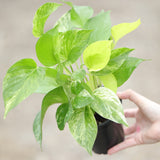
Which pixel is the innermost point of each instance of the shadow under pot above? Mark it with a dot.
(109, 134)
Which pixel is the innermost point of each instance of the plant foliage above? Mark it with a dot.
(77, 39)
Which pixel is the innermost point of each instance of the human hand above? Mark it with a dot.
(146, 129)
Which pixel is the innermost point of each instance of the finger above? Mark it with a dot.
(130, 112)
(132, 96)
(130, 130)
(134, 134)
(126, 144)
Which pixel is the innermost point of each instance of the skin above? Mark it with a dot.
(146, 129)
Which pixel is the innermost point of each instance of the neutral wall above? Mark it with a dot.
(16, 42)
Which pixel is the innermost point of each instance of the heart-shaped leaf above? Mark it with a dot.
(45, 46)
(76, 17)
(83, 127)
(82, 99)
(108, 105)
(47, 83)
(118, 56)
(62, 115)
(41, 16)
(97, 55)
(100, 25)
(57, 95)
(22, 79)
(53, 48)
(80, 15)
(109, 81)
(125, 71)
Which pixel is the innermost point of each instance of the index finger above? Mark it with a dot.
(133, 96)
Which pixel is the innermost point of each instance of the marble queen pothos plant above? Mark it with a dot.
(79, 57)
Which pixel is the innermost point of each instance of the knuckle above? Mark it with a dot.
(129, 92)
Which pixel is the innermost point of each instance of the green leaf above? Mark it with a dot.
(83, 127)
(64, 23)
(54, 47)
(57, 95)
(78, 75)
(47, 83)
(100, 25)
(118, 56)
(117, 61)
(21, 80)
(61, 78)
(97, 55)
(68, 46)
(85, 86)
(41, 16)
(120, 30)
(108, 105)
(45, 48)
(80, 15)
(78, 40)
(77, 16)
(91, 81)
(125, 71)
(120, 51)
(37, 128)
(109, 81)
(76, 87)
(68, 3)
(82, 99)
(61, 115)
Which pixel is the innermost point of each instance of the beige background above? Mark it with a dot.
(16, 42)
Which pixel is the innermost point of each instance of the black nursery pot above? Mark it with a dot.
(109, 134)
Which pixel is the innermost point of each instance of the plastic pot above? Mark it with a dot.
(109, 134)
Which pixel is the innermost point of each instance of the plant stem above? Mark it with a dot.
(98, 82)
(67, 70)
(77, 65)
(94, 81)
(81, 60)
(86, 78)
(71, 68)
(91, 81)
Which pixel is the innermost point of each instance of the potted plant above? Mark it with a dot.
(81, 71)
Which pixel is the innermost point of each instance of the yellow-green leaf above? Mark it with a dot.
(120, 30)
(97, 55)
(109, 81)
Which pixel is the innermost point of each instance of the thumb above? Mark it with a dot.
(125, 144)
